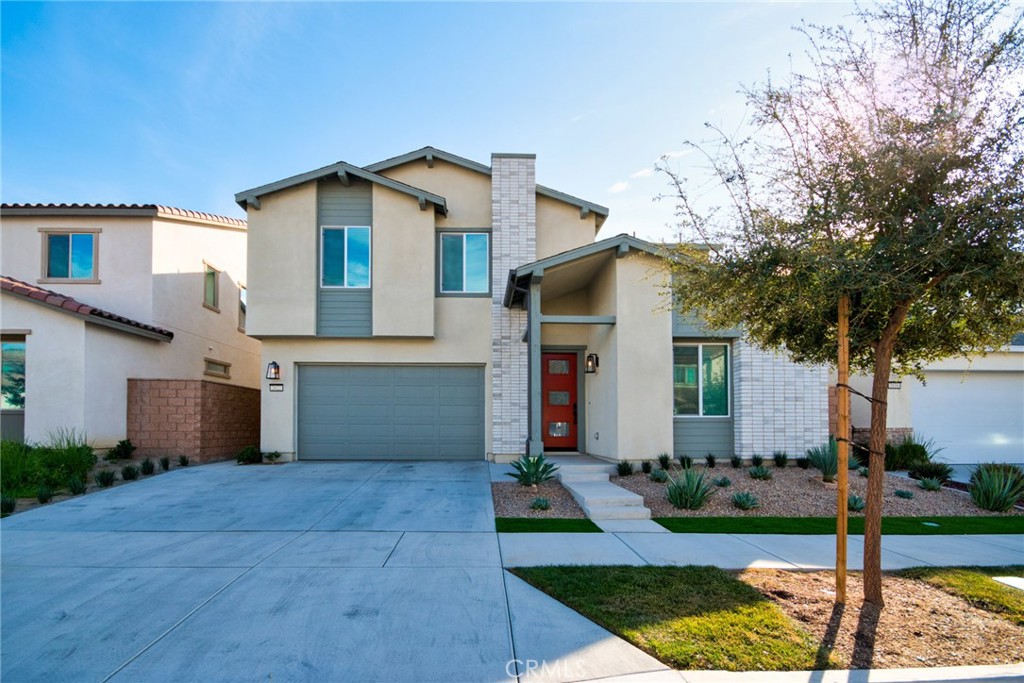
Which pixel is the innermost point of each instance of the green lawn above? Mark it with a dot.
(827, 525)
(535, 525)
(974, 585)
(688, 617)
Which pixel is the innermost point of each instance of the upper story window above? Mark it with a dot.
(700, 380)
(345, 256)
(211, 287)
(465, 266)
(70, 255)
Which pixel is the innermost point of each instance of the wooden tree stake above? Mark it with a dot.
(843, 427)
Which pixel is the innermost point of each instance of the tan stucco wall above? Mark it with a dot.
(468, 193)
(125, 255)
(644, 366)
(179, 252)
(283, 263)
(560, 228)
(460, 340)
(602, 388)
(403, 265)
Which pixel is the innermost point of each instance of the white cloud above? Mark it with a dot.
(618, 187)
(576, 119)
(643, 173)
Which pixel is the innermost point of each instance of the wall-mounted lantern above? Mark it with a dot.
(273, 370)
(591, 364)
(895, 384)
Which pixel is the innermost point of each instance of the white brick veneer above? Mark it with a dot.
(779, 405)
(513, 243)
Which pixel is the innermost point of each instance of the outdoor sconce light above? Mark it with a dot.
(273, 370)
(592, 363)
(895, 384)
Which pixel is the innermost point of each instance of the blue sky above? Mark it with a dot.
(185, 104)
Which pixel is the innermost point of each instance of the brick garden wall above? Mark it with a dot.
(203, 420)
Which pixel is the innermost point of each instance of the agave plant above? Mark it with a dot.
(532, 470)
(996, 489)
(690, 491)
(745, 501)
(826, 459)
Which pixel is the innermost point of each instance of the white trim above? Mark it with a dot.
(344, 265)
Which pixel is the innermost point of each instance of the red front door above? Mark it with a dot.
(558, 389)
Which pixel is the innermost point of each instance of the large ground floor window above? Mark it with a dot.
(700, 380)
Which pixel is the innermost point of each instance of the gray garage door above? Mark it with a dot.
(350, 412)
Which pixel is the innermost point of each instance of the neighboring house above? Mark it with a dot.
(429, 306)
(127, 321)
(971, 408)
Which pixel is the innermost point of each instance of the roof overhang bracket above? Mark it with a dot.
(622, 250)
(537, 276)
(423, 203)
(584, 212)
(253, 201)
(344, 178)
(430, 159)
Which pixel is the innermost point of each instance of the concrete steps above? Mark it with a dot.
(599, 498)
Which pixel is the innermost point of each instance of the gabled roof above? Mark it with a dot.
(519, 279)
(430, 153)
(122, 210)
(342, 170)
(91, 314)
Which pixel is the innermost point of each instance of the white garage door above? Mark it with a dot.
(974, 416)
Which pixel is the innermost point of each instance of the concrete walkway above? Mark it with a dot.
(333, 572)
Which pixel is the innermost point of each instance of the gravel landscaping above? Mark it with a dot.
(513, 500)
(920, 626)
(795, 492)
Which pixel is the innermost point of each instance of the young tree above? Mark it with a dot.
(891, 172)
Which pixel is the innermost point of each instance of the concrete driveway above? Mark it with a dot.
(297, 572)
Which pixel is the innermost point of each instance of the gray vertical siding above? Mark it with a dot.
(344, 312)
(689, 325)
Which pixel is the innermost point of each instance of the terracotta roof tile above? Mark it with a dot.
(66, 303)
(132, 209)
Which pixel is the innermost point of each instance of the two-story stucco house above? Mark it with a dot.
(127, 321)
(429, 306)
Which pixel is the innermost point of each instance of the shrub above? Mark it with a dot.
(18, 467)
(66, 454)
(855, 503)
(781, 458)
(721, 482)
(757, 460)
(250, 455)
(1013, 471)
(183, 461)
(660, 476)
(147, 467)
(165, 463)
(803, 462)
(826, 459)
(532, 470)
(105, 478)
(710, 459)
(760, 472)
(690, 491)
(736, 462)
(862, 471)
(44, 494)
(685, 461)
(664, 461)
(129, 473)
(912, 451)
(624, 468)
(931, 470)
(76, 487)
(272, 456)
(540, 504)
(7, 504)
(996, 489)
(903, 493)
(930, 484)
(646, 466)
(745, 501)
(121, 451)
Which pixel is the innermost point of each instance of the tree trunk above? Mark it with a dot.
(876, 458)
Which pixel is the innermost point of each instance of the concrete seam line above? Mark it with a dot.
(174, 626)
(632, 549)
(765, 550)
(351, 493)
(388, 558)
(508, 611)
